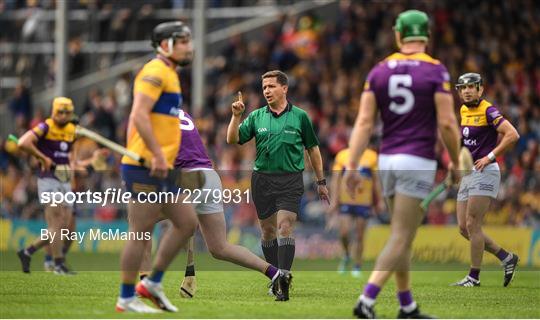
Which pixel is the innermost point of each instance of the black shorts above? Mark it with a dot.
(276, 191)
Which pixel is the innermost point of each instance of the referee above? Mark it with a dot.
(281, 131)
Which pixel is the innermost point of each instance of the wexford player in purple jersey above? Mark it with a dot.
(411, 91)
(481, 123)
(192, 157)
(51, 143)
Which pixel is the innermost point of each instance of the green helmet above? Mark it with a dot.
(413, 25)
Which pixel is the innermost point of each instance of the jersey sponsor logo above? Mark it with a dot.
(289, 131)
(262, 130)
(469, 142)
(60, 154)
(392, 64)
(63, 146)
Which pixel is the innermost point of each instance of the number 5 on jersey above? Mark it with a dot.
(398, 87)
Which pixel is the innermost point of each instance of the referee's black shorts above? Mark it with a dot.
(276, 191)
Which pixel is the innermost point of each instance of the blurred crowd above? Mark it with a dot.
(27, 22)
(327, 61)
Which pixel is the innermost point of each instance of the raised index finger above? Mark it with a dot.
(240, 97)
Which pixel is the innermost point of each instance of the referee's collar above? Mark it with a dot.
(275, 114)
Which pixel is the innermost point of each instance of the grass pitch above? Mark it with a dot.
(242, 294)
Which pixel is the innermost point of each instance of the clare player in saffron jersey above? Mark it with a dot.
(354, 210)
(154, 133)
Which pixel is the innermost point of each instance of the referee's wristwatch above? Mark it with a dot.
(321, 182)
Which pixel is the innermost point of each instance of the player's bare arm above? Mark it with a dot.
(359, 140)
(509, 137)
(334, 190)
(448, 126)
(316, 162)
(83, 164)
(140, 115)
(28, 143)
(238, 108)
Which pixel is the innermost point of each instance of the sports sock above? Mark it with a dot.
(127, 290)
(270, 250)
(271, 271)
(406, 301)
(66, 247)
(30, 250)
(502, 254)
(474, 273)
(286, 251)
(48, 258)
(371, 292)
(58, 261)
(190, 271)
(156, 276)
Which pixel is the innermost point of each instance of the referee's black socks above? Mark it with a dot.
(285, 254)
(270, 251)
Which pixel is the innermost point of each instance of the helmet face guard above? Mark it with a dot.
(468, 79)
(62, 105)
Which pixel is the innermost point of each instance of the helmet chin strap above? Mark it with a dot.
(169, 52)
(473, 104)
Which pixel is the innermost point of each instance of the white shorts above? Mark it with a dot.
(212, 182)
(406, 174)
(50, 185)
(485, 183)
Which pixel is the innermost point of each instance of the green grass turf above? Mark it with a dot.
(242, 294)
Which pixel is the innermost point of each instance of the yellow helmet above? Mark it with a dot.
(62, 104)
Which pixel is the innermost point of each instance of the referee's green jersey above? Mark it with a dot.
(279, 139)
